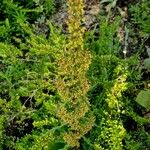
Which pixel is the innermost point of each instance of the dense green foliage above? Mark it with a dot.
(111, 95)
(141, 17)
(79, 89)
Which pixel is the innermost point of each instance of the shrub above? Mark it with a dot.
(28, 95)
(140, 16)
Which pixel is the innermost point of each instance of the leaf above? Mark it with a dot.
(106, 1)
(147, 63)
(143, 98)
(55, 146)
(113, 5)
(148, 51)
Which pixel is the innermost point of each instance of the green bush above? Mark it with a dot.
(28, 95)
(39, 79)
(140, 16)
(113, 79)
(15, 13)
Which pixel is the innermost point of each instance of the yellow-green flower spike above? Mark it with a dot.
(72, 83)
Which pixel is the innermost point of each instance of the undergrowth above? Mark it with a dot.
(76, 90)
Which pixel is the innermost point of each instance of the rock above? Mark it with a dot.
(92, 9)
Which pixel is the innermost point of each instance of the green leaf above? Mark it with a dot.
(143, 98)
(106, 1)
(55, 146)
(148, 51)
(147, 63)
